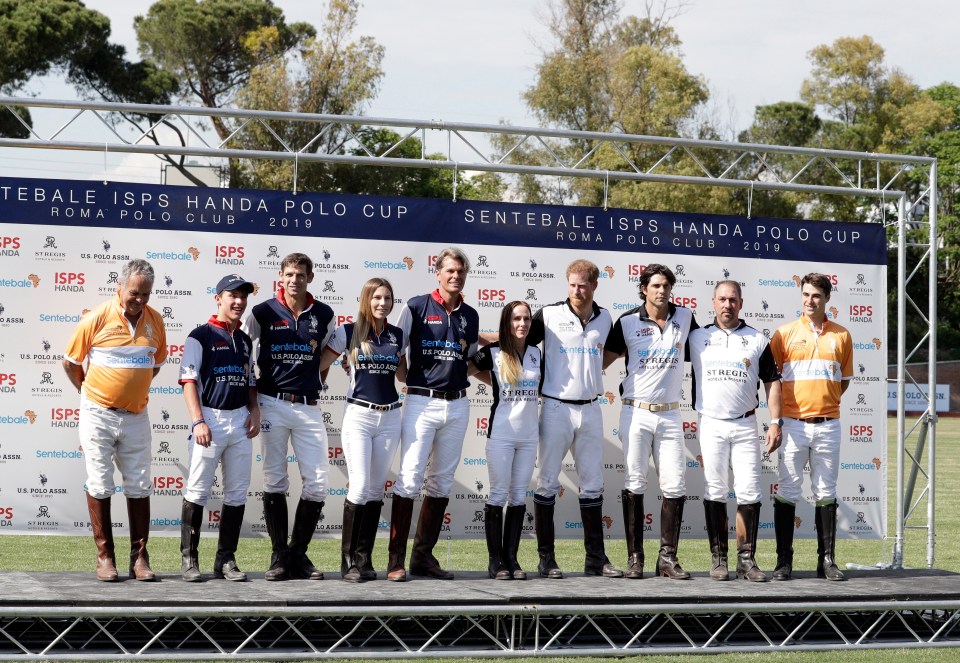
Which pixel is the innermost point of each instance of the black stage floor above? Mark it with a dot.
(59, 590)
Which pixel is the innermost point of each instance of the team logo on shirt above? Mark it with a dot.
(391, 338)
(313, 323)
(433, 320)
(746, 362)
(279, 324)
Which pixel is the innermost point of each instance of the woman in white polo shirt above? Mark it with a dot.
(373, 349)
(512, 434)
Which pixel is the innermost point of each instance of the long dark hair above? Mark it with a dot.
(511, 348)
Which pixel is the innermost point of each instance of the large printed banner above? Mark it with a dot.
(62, 244)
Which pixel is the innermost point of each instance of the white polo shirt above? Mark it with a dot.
(728, 367)
(654, 357)
(572, 351)
(515, 413)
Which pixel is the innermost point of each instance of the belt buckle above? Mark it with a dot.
(658, 407)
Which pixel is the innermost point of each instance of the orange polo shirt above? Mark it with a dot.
(122, 358)
(814, 366)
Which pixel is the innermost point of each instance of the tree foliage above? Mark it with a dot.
(609, 73)
(40, 36)
(212, 46)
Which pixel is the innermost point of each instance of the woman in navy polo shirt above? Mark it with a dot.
(512, 433)
(373, 350)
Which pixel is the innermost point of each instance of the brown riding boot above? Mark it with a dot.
(748, 522)
(422, 561)
(102, 527)
(401, 512)
(716, 519)
(138, 509)
(671, 518)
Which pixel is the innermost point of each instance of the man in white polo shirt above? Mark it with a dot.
(729, 360)
(652, 339)
(573, 333)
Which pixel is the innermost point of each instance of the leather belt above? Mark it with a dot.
(745, 414)
(572, 402)
(813, 420)
(290, 398)
(374, 406)
(433, 393)
(652, 407)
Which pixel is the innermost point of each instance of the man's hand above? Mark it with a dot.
(252, 424)
(202, 434)
(774, 438)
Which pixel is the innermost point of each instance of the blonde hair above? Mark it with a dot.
(511, 348)
(359, 342)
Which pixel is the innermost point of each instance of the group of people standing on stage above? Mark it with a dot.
(546, 372)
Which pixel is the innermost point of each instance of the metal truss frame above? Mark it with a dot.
(250, 632)
(335, 139)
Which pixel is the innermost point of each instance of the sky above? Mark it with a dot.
(462, 61)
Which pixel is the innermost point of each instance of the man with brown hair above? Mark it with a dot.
(815, 356)
(292, 329)
(573, 333)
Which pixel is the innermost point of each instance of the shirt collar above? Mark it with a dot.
(439, 299)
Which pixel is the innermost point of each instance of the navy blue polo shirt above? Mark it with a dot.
(290, 348)
(219, 363)
(440, 342)
(373, 377)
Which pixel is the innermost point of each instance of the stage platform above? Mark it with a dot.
(72, 616)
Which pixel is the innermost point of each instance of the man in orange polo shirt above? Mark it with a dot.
(124, 344)
(815, 356)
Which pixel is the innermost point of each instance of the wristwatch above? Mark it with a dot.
(778, 422)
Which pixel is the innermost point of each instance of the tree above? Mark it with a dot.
(330, 74)
(206, 44)
(37, 36)
(610, 74)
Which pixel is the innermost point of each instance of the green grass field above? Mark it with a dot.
(55, 553)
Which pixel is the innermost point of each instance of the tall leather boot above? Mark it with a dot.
(102, 526)
(368, 537)
(225, 563)
(512, 531)
(275, 515)
(748, 522)
(784, 522)
(595, 562)
(826, 521)
(716, 518)
(138, 510)
(633, 517)
(191, 520)
(422, 561)
(352, 523)
(304, 525)
(401, 512)
(671, 517)
(493, 528)
(543, 524)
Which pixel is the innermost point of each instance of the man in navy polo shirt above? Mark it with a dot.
(292, 329)
(573, 333)
(218, 384)
(443, 333)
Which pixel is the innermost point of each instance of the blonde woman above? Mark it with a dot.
(373, 351)
(512, 434)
